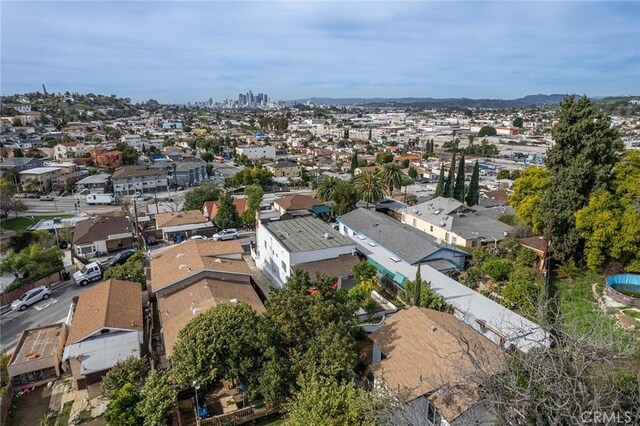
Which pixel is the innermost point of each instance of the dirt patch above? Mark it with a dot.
(30, 408)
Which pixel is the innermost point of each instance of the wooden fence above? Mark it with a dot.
(7, 298)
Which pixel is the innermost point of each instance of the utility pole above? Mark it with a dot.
(135, 212)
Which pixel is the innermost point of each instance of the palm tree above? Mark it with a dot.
(370, 187)
(391, 175)
(326, 188)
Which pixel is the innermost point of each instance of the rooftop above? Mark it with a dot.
(177, 309)
(37, 343)
(111, 304)
(101, 354)
(136, 171)
(40, 170)
(429, 351)
(164, 220)
(88, 231)
(98, 178)
(186, 259)
(297, 202)
(283, 165)
(306, 234)
(340, 266)
(405, 241)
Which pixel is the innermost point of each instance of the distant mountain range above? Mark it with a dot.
(440, 102)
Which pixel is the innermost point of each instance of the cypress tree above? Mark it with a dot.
(354, 161)
(448, 185)
(370, 134)
(458, 190)
(473, 194)
(440, 186)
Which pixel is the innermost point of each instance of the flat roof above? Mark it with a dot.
(97, 178)
(40, 170)
(306, 234)
(104, 351)
(58, 223)
(37, 343)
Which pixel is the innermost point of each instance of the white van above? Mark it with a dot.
(90, 272)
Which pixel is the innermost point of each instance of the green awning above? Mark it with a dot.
(321, 209)
(381, 268)
(399, 278)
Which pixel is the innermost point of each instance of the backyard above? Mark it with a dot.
(22, 223)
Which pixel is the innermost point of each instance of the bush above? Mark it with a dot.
(498, 269)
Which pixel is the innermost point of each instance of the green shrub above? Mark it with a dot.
(498, 269)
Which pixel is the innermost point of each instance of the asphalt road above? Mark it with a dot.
(50, 311)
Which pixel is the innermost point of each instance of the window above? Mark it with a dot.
(431, 228)
(474, 243)
(284, 266)
(454, 240)
(446, 237)
(414, 222)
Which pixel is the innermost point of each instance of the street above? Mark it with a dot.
(52, 310)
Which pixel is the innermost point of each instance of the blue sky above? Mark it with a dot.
(182, 51)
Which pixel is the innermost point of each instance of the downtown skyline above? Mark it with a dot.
(180, 51)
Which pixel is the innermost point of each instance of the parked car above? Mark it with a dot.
(91, 272)
(227, 234)
(121, 257)
(152, 241)
(137, 194)
(198, 237)
(46, 198)
(30, 297)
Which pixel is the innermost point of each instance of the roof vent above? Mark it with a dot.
(433, 329)
(182, 266)
(179, 255)
(217, 260)
(234, 301)
(326, 236)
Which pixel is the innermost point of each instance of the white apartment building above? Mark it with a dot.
(255, 152)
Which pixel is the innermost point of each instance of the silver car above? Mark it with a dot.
(227, 234)
(30, 297)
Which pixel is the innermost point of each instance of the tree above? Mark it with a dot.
(527, 194)
(370, 187)
(518, 122)
(207, 157)
(503, 174)
(222, 342)
(253, 194)
(497, 268)
(354, 161)
(131, 270)
(121, 409)
(17, 152)
(487, 131)
(326, 188)
(413, 173)
(363, 271)
(581, 162)
(417, 292)
(440, 186)
(158, 399)
(328, 402)
(10, 176)
(391, 175)
(473, 193)
(384, 157)
(195, 198)
(450, 182)
(308, 334)
(227, 216)
(129, 153)
(522, 291)
(610, 222)
(132, 370)
(458, 190)
(566, 381)
(345, 197)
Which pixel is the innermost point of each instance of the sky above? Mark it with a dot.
(179, 51)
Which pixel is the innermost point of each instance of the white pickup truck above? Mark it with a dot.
(91, 272)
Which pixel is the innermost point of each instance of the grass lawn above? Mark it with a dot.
(22, 223)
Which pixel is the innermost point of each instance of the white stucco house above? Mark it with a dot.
(285, 245)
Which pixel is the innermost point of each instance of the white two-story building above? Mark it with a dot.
(285, 245)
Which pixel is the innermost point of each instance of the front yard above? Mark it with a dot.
(22, 223)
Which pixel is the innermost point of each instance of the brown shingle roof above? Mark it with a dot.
(185, 259)
(188, 217)
(426, 353)
(100, 228)
(177, 309)
(111, 304)
(211, 207)
(297, 202)
(134, 171)
(537, 244)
